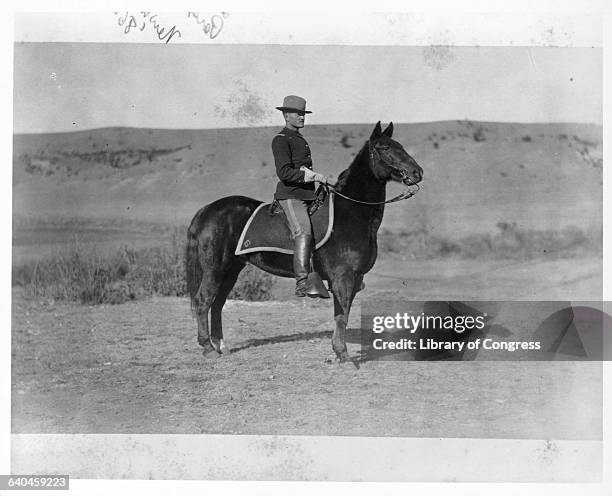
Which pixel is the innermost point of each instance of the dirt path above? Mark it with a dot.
(136, 368)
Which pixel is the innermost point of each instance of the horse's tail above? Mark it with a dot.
(193, 267)
(210, 239)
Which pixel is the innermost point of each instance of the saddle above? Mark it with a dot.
(268, 229)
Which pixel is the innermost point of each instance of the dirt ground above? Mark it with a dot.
(136, 367)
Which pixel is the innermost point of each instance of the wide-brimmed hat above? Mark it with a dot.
(294, 103)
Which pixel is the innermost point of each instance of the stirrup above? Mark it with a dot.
(317, 288)
(311, 286)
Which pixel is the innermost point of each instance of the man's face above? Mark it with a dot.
(295, 119)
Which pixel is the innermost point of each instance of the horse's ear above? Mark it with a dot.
(389, 131)
(377, 131)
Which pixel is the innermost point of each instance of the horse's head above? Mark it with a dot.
(388, 159)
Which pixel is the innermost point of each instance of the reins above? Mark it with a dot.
(403, 196)
(409, 193)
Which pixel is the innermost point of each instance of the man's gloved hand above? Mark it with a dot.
(320, 178)
(310, 176)
(331, 180)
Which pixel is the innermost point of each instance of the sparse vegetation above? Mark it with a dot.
(252, 285)
(584, 142)
(80, 274)
(510, 242)
(46, 163)
(589, 159)
(83, 275)
(344, 141)
(479, 135)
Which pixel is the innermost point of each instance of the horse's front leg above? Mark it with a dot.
(344, 288)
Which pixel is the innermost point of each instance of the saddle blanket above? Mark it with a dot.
(267, 231)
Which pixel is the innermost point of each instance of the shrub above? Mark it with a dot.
(83, 275)
(252, 285)
(479, 134)
(344, 141)
(510, 242)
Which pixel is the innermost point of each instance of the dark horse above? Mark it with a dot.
(212, 267)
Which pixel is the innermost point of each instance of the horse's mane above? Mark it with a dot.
(342, 178)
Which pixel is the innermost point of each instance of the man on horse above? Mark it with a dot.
(295, 189)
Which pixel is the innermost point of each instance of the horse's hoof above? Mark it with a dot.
(219, 346)
(337, 358)
(342, 357)
(209, 351)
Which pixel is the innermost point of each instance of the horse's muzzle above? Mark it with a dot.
(413, 176)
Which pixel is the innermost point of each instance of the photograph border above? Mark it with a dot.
(184, 446)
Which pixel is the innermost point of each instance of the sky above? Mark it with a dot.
(72, 86)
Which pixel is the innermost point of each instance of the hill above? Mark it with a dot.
(477, 175)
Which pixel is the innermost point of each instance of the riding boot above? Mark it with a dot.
(301, 264)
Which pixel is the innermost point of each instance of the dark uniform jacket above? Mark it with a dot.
(290, 153)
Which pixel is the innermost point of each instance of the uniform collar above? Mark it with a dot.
(286, 130)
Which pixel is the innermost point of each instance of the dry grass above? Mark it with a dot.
(510, 242)
(81, 274)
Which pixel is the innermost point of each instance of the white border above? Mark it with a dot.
(173, 487)
(332, 27)
(333, 458)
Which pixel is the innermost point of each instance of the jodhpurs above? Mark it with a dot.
(297, 216)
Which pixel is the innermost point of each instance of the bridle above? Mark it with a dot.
(413, 188)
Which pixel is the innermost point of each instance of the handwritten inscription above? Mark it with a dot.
(211, 26)
(143, 20)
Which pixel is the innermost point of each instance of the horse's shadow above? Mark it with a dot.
(366, 354)
(352, 336)
(287, 338)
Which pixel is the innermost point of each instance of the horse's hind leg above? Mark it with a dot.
(203, 300)
(216, 325)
